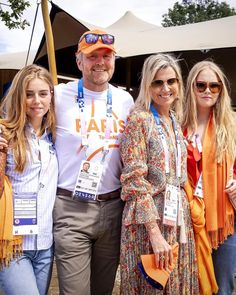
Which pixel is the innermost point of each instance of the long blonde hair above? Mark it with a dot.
(223, 115)
(13, 112)
(151, 66)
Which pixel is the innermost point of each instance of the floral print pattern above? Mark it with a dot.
(143, 186)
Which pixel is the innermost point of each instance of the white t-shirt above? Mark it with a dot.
(68, 141)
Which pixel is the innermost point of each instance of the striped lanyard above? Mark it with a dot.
(165, 145)
(84, 135)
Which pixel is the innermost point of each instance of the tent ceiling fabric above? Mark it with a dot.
(144, 38)
(131, 23)
(16, 60)
(137, 37)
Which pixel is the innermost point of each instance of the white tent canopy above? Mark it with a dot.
(136, 37)
(16, 60)
(130, 22)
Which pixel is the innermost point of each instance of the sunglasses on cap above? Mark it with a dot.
(215, 87)
(160, 83)
(92, 38)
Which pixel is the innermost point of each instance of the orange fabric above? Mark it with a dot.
(10, 246)
(159, 275)
(212, 216)
(207, 280)
(86, 48)
(219, 211)
(3, 159)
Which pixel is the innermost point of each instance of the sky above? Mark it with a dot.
(98, 12)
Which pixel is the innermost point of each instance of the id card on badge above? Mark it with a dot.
(88, 181)
(25, 214)
(198, 192)
(171, 205)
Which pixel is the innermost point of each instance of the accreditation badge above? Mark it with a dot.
(198, 192)
(170, 205)
(25, 214)
(88, 181)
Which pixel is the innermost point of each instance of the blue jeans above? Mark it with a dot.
(30, 274)
(224, 259)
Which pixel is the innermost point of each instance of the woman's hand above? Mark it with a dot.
(161, 249)
(231, 191)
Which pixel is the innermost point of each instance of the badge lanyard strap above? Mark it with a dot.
(196, 141)
(41, 175)
(84, 136)
(180, 220)
(164, 143)
(178, 157)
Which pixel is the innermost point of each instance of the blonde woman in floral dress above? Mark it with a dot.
(154, 157)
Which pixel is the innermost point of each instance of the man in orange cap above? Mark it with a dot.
(91, 115)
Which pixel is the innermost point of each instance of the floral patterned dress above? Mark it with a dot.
(143, 186)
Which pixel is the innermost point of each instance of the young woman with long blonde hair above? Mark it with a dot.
(209, 127)
(29, 161)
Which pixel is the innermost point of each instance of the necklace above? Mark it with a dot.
(167, 122)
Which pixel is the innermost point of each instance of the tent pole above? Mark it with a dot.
(49, 41)
(128, 74)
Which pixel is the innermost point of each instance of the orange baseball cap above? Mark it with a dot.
(87, 48)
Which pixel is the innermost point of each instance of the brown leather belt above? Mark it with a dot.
(101, 198)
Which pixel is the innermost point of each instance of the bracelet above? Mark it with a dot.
(151, 225)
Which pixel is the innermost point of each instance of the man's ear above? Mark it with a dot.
(79, 63)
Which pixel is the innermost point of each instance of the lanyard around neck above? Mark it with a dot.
(81, 104)
(165, 145)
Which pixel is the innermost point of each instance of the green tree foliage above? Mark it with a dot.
(11, 13)
(189, 12)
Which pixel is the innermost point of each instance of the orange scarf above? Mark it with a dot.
(219, 211)
(207, 280)
(10, 246)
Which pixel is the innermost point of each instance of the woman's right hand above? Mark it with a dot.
(162, 250)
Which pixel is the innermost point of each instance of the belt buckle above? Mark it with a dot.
(98, 199)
